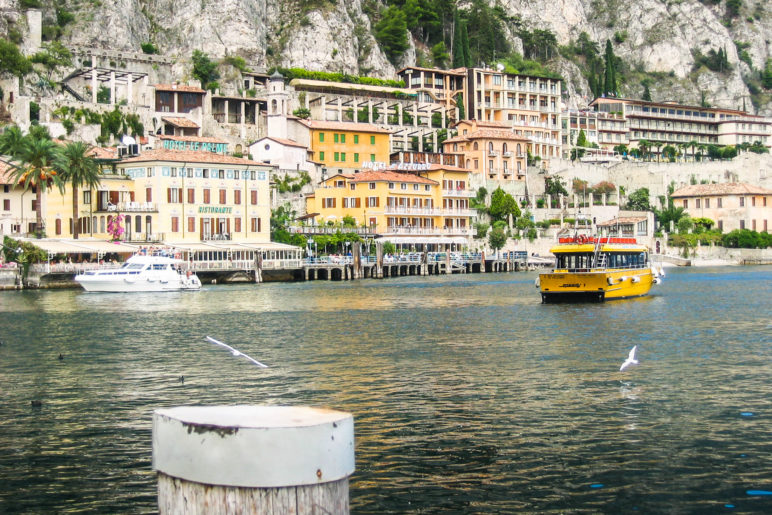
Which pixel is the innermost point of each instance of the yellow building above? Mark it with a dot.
(731, 205)
(429, 204)
(344, 146)
(171, 196)
(491, 149)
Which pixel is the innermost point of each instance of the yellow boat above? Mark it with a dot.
(597, 269)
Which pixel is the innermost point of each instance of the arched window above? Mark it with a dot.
(274, 106)
(504, 148)
(468, 163)
(455, 147)
(490, 146)
(475, 146)
(518, 149)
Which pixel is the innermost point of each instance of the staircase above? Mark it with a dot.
(68, 89)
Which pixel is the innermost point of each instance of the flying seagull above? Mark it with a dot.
(630, 359)
(235, 352)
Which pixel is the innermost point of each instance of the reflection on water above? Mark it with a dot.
(468, 394)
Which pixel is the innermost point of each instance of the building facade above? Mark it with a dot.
(342, 147)
(491, 149)
(731, 205)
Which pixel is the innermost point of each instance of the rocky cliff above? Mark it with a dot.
(655, 39)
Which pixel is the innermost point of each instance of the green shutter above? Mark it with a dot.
(356, 138)
(321, 137)
(356, 157)
(343, 156)
(335, 137)
(321, 156)
(342, 138)
(372, 140)
(372, 158)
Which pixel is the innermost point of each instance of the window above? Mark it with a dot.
(742, 224)
(336, 156)
(707, 203)
(753, 201)
(58, 226)
(173, 195)
(207, 196)
(719, 202)
(403, 186)
(255, 224)
(336, 138)
(415, 187)
(206, 173)
(6, 204)
(87, 197)
(372, 201)
(223, 194)
(328, 203)
(427, 187)
(686, 203)
(237, 225)
(343, 156)
(356, 139)
(191, 196)
(720, 225)
(697, 203)
(148, 194)
(174, 172)
(321, 156)
(391, 185)
(191, 224)
(342, 138)
(356, 157)
(372, 140)
(237, 197)
(372, 158)
(149, 171)
(321, 137)
(175, 224)
(742, 201)
(372, 185)
(253, 197)
(221, 174)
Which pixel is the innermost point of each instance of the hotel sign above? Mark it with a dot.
(217, 210)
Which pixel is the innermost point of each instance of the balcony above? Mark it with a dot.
(428, 231)
(130, 207)
(427, 211)
(457, 193)
(493, 153)
(507, 154)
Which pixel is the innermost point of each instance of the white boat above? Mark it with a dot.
(141, 273)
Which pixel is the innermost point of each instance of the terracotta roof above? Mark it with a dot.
(104, 152)
(498, 125)
(202, 139)
(389, 176)
(343, 126)
(430, 167)
(281, 141)
(179, 121)
(456, 71)
(623, 220)
(190, 156)
(178, 87)
(495, 134)
(6, 173)
(729, 188)
(456, 139)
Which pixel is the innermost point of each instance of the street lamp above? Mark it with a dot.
(310, 242)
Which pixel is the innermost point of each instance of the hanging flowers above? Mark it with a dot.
(115, 227)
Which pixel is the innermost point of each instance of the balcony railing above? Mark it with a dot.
(424, 211)
(493, 153)
(457, 193)
(428, 231)
(130, 207)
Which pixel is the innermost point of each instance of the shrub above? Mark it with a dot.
(149, 48)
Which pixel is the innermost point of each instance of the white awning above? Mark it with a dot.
(84, 246)
(425, 240)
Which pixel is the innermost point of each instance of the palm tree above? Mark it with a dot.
(12, 142)
(693, 143)
(79, 169)
(37, 159)
(644, 145)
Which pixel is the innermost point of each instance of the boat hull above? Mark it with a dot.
(140, 285)
(594, 285)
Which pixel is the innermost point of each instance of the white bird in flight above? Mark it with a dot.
(630, 361)
(235, 352)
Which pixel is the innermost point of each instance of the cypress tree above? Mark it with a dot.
(458, 43)
(465, 43)
(646, 92)
(609, 84)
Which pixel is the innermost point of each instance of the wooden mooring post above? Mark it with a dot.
(252, 459)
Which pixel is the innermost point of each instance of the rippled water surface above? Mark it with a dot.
(468, 395)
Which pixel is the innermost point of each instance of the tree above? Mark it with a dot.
(554, 186)
(669, 214)
(391, 33)
(621, 149)
(204, 69)
(12, 142)
(502, 205)
(639, 200)
(53, 56)
(12, 61)
(646, 93)
(79, 169)
(37, 160)
(440, 55)
(581, 139)
(497, 239)
(610, 77)
(766, 75)
(669, 153)
(458, 42)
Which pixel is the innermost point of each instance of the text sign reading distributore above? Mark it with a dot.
(214, 209)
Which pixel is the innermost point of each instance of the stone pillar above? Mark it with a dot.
(94, 84)
(340, 110)
(370, 110)
(252, 459)
(227, 111)
(112, 87)
(130, 89)
(399, 114)
(35, 24)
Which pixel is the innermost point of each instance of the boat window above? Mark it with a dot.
(133, 266)
(159, 267)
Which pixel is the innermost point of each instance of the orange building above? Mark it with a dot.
(491, 149)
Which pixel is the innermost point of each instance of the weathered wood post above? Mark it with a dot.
(252, 459)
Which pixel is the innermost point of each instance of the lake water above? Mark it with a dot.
(468, 394)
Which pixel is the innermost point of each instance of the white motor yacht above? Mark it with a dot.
(141, 273)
